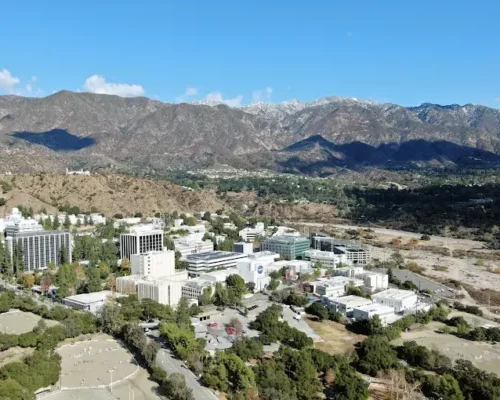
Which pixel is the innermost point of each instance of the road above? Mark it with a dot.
(421, 282)
(42, 301)
(170, 364)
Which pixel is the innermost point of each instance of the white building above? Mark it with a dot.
(205, 262)
(350, 272)
(92, 302)
(141, 239)
(335, 286)
(153, 263)
(385, 313)
(154, 277)
(356, 255)
(328, 259)
(193, 288)
(374, 281)
(250, 234)
(345, 305)
(400, 300)
(254, 269)
(186, 246)
(285, 231)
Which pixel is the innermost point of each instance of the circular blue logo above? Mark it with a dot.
(260, 269)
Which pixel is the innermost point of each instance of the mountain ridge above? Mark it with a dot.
(148, 136)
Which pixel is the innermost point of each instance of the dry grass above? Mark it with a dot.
(337, 339)
(14, 354)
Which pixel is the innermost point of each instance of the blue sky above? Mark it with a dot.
(392, 51)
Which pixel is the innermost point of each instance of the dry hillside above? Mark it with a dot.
(109, 194)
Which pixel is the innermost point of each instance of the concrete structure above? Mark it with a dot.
(92, 302)
(374, 281)
(78, 172)
(250, 234)
(349, 272)
(186, 246)
(205, 262)
(162, 290)
(345, 305)
(400, 300)
(153, 263)
(328, 259)
(385, 313)
(193, 288)
(254, 269)
(141, 239)
(289, 247)
(355, 254)
(243, 247)
(335, 286)
(285, 231)
(40, 248)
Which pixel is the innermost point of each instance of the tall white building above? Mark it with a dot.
(153, 263)
(141, 239)
(154, 277)
(374, 281)
(254, 269)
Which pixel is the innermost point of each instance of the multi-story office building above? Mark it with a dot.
(288, 247)
(249, 234)
(187, 246)
(140, 240)
(40, 248)
(327, 259)
(205, 262)
(354, 254)
(153, 263)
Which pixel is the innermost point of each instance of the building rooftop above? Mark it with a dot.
(337, 280)
(352, 301)
(397, 294)
(376, 308)
(213, 256)
(145, 229)
(89, 298)
(289, 240)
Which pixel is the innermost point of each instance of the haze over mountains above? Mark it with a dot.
(103, 132)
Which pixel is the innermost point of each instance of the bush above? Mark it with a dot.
(425, 237)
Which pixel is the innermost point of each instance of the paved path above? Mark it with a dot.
(170, 364)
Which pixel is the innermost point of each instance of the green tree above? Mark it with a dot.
(93, 280)
(56, 224)
(228, 373)
(67, 222)
(248, 348)
(206, 297)
(317, 309)
(183, 316)
(175, 388)
(376, 354)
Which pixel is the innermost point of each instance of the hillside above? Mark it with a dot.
(108, 194)
(140, 135)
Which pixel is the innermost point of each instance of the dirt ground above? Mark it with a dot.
(14, 354)
(94, 363)
(18, 322)
(483, 355)
(337, 340)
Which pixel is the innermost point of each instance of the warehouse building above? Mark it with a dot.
(92, 302)
(345, 305)
(385, 313)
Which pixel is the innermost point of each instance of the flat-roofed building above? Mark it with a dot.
(346, 304)
(186, 246)
(335, 286)
(374, 281)
(385, 313)
(205, 262)
(92, 302)
(140, 240)
(193, 288)
(400, 300)
(288, 247)
(249, 234)
(327, 259)
(153, 263)
(354, 253)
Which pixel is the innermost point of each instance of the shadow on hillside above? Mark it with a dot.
(56, 139)
(316, 152)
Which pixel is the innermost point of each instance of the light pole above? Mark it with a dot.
(111, 381)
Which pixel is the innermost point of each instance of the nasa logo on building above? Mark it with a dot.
(260, 269)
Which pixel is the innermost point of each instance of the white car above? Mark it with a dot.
(297, 317)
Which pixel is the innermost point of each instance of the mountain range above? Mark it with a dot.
(103, 132)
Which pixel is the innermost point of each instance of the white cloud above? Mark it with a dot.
(97, 84)
(34, 79)
(261, 96)
(28, 88)
(191, 91)
(216, 97)
(7, 81)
